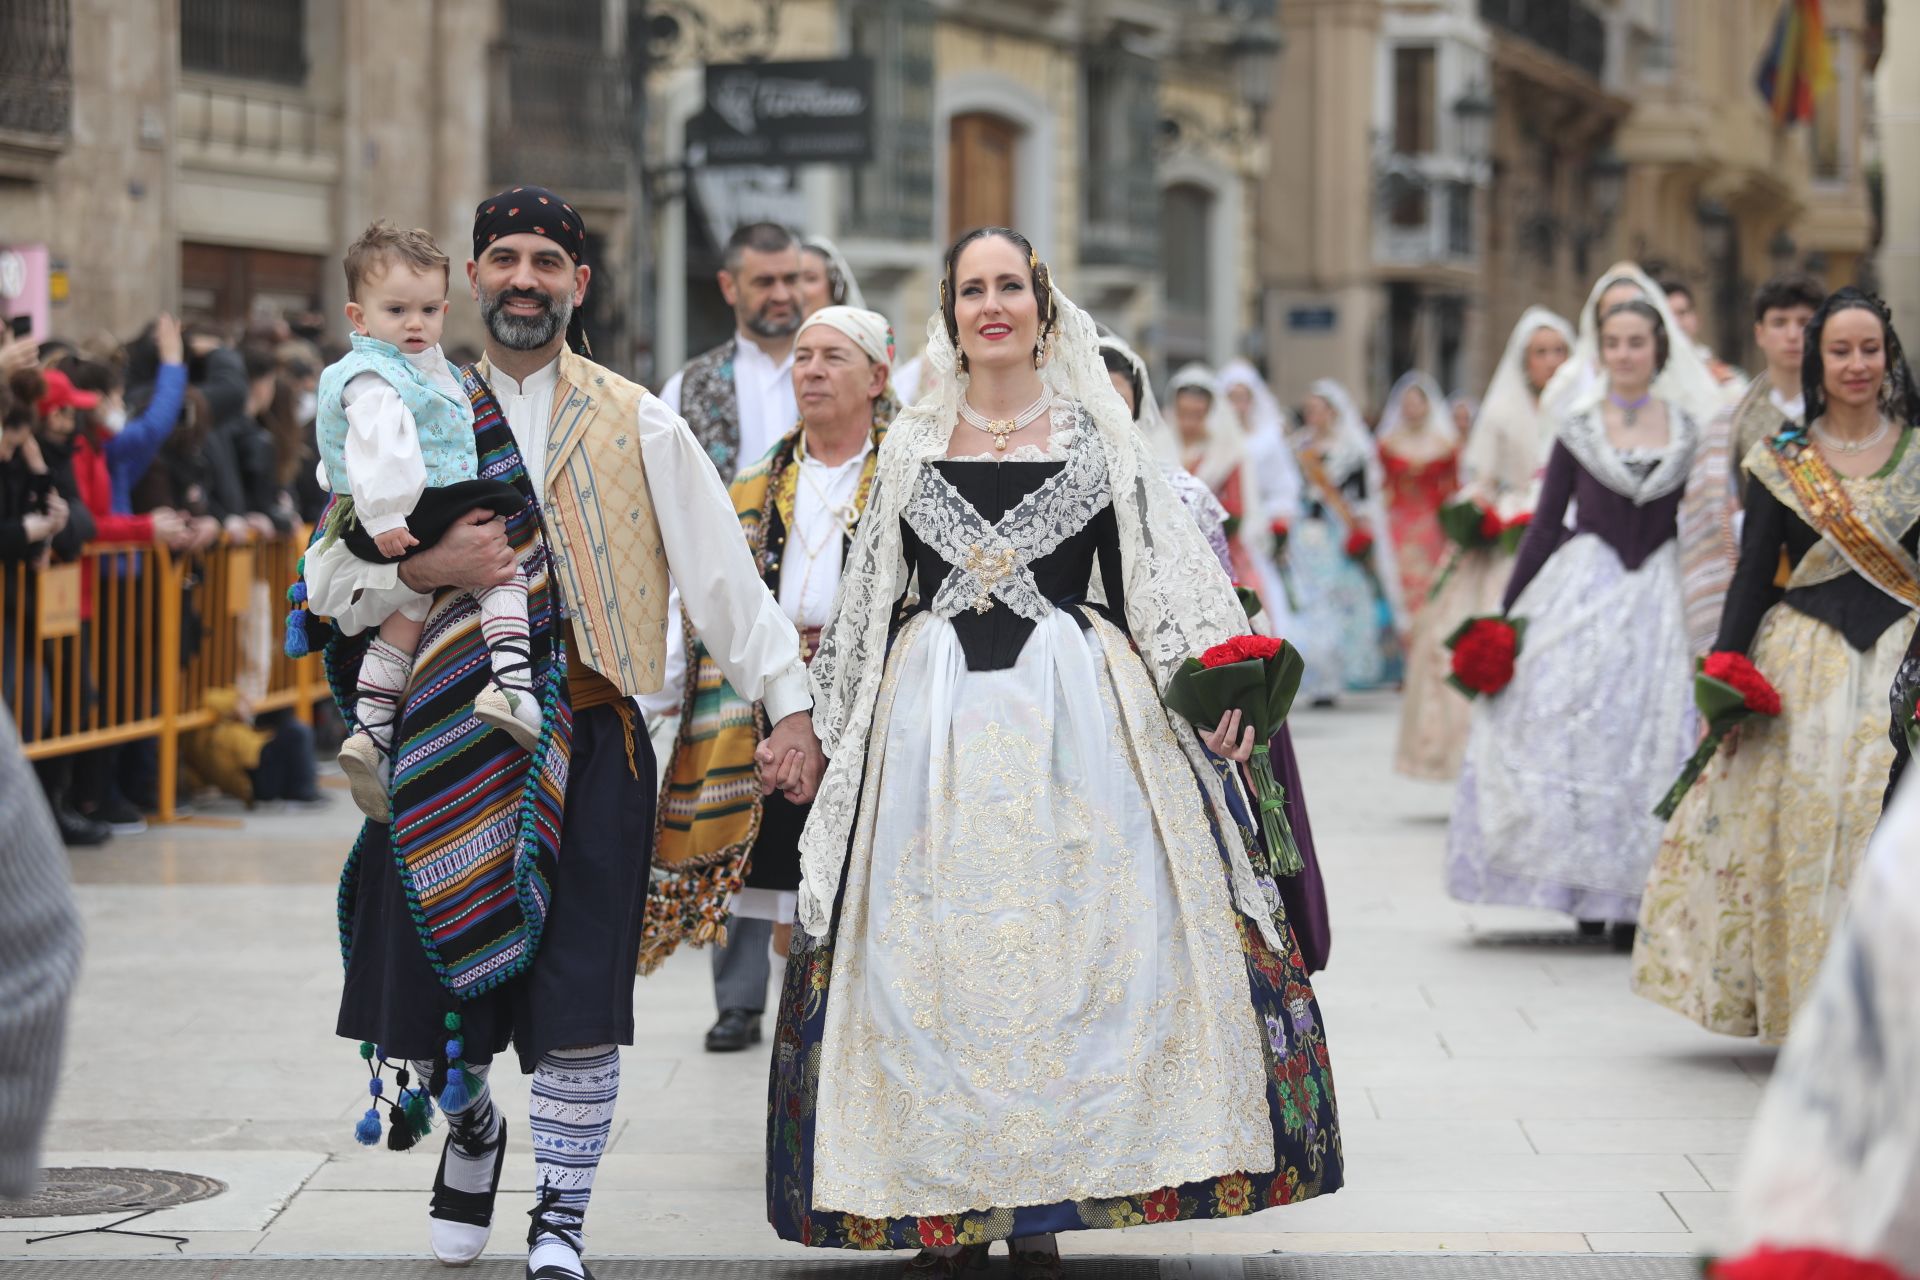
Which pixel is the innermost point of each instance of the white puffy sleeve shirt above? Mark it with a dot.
(385, 473)
(741, 623)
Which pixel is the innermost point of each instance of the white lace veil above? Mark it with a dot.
(1686, 381)
(1273, 460)
(1178, 603)
(1511, 438)
(1354, 452)
(1439, 418)
(1226, 450)
(846, 287)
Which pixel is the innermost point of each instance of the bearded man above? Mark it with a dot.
(504, 904)
(732, 859)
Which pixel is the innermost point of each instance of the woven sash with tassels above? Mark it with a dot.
(476, 829)
(1824, 502)
(710, 803)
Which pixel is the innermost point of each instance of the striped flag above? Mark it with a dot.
(1797, 68)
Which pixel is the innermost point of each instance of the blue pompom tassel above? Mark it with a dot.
(296, 638)
(455, 1097)
(367, 1132)
(297, 593)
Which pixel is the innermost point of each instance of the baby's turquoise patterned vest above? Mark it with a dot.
(445, 425)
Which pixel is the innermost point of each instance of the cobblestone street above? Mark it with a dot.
(1501, 1090)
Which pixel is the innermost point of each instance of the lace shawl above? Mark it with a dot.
(1177, 601)
(1585, 436)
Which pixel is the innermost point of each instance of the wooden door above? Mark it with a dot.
(981, 150)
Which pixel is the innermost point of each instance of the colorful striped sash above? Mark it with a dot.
(476, 830)
(1824, 501)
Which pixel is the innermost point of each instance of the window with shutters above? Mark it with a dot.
(246, 39)
(36, 71)
(982, 152)
(892, 198)
(1414, 96)
(561, 104)
(1186, 270)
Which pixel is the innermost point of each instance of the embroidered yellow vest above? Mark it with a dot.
(607, 552)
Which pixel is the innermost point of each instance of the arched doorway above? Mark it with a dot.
(982, 153)
(1187, 271)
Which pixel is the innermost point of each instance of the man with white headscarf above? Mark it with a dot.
(724, 850)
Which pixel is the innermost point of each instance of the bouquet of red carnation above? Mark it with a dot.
(1729, 690)
(1469, 525)
(1767, 1263)
(1359, 544)
(1484, 649)
(1257, 676)
(1280, 531)
(1513, 532)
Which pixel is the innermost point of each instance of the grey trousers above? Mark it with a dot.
(742, 968)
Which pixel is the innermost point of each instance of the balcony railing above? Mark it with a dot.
(1425, 221)
(36, 70)
(246, 39)
(1566, 29)
(563, 118)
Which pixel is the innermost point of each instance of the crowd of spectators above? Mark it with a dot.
(186, 436)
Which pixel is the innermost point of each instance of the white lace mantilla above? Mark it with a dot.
(1178, 603)
(995, 561)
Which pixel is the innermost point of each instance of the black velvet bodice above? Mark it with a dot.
(992, 640)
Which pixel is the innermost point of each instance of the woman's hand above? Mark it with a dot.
(1229, 740)
(166, 339)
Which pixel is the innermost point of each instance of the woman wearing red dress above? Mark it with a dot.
(1420, 448)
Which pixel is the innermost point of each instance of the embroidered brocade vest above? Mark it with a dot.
(443, 424)
(711, 405)
(603, 535)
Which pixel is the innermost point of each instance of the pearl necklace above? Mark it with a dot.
(1828, 441)
(1002, 428)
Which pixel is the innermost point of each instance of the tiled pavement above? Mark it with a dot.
(1501, 1089)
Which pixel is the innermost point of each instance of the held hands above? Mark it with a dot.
(394, 541)
(790, 760)
(1229, 740)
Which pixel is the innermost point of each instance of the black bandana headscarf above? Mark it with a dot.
(535, 211)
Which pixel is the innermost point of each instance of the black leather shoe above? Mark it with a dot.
(77, 831)
(736, 1029)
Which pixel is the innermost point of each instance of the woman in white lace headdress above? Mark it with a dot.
(1044, 967)
(1686, 380)
(1420, 459)
(1565, 765)
(1211, 443)
(1267, 426)
(1499, 470)
(1346, 616)
(826, 279)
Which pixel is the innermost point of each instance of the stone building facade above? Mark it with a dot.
(1506, 151)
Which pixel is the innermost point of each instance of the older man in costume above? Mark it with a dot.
(724, 849)
(504, 904)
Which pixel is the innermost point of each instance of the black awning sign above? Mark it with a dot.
(782, 113)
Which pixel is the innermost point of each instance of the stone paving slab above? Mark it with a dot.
(1362, 1267)
(1501, 1088)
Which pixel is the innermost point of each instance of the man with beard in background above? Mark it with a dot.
(504, 903)
(738, 398)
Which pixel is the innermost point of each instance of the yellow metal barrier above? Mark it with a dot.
(126, 643)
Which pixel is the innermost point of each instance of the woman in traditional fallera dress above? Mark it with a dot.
(1347, 620)
(1420, 456)
(1755, 868)
(1304, 894)
(1564, 766)
(1500, 469)
(1044, 982)
(1209, 440)
(1268, 429)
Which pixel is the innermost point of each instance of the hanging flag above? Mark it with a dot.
(1797, 68)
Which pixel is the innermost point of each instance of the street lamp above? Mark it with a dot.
(1255, 51)
(1782, 249)
(1716, 230)
(1606, 184)
(1473, 110)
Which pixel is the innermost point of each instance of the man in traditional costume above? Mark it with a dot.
(1709, 514)
(739, 399)
(504, 903)
(726, 850)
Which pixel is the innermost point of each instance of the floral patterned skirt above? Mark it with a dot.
(1036, 990)
(1756, 866)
